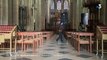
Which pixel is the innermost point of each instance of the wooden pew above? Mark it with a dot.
(8, 34)
(101, 35)
(30, 38)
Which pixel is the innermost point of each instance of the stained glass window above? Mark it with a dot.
(66, 5)
(58, 5)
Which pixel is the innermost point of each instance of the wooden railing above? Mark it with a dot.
(101, 35)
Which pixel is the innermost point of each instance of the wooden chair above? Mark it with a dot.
(39, 37)
(8, 35)
(68, 34)
(101, 35)
(86, 41)
(24, 39)
(47, 34)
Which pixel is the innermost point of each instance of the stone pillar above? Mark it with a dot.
(41, 9)
(77, 9)
(106, 13)
(1, 12)
(48, 11)
(71, 14)
(40, 15)
(43, 13)
(74, 14)
(29, 19)
(36, 15)
(103, 12)
(15, 12)
(5, 12)
(10, 12)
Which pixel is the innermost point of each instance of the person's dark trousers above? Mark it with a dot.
(60, 37)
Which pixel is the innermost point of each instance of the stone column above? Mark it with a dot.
(106, 13)
(5, 12)
(77, 9)
(48, 11)
(36, 15)
(10, 12)
(103, 12)
(15, 12)
(43, 13)
(34, 9)
(74, 14)
(1, 12)
(40, 14)
(69, 13)
(31, 14)
(29, 19)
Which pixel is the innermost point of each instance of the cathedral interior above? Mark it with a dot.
(53, 29)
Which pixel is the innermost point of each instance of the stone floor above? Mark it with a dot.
(51, 50)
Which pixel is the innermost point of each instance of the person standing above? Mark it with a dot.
(60, 37)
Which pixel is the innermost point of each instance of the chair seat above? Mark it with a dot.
(82, 41)
(19, 41)
(29, 41)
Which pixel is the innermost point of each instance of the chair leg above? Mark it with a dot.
(33, 47)
(39, 42)
(22, 47)
(27, 46)
(90, 47)
(36, 44)
(78, 47)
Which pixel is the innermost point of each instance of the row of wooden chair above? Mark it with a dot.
(26, 39)
(23, 39)
(81, 38)
(29, 38)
